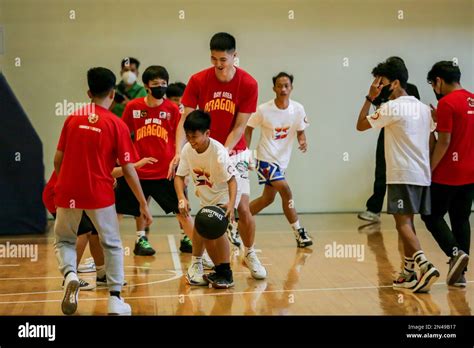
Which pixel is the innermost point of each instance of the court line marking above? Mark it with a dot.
(9, 265)
(174, 255)
(226, 293)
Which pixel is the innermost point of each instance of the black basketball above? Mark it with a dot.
(210, 222)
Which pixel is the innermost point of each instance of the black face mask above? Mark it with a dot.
(438, 95)
(158, 92)
(384, 95)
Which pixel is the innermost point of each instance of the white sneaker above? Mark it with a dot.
(207, 262)
(369, 216)
(83, 285)
(117, 306)
(87, 267)
(194, 275)
(71, 292)
(253, 263)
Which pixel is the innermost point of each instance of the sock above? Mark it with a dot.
(100, 271)
(65, 276)
(115, 293)
(140, 234)
(408, 265)
(196, 259)
(296, 225)
(249, 250)
(420, 258)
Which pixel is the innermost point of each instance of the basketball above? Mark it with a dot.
(211, 222)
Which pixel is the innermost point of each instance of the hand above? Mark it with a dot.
(172, 167)
(183, 206)
(145, 212)
(434, 114)
(115, 183)
(229, 212)
(375, 88)
(145, 160)
(303, 146)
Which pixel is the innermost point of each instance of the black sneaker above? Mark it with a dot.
(143, 247)
(457, 264)
(461, 282)
(303, 239)
(186, 246)
(233, 235)
(222, 280)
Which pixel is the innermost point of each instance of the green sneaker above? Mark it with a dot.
(143, 247)
(186, 245)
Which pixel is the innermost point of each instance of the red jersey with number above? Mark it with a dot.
(456, 116)
(92, 143)
(155, 134)
(223, 100)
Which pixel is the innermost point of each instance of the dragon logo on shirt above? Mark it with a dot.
(93, 118)
(281, 132)
(202, 177)
(470, 101)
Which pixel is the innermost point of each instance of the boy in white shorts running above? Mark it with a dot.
(281, 120)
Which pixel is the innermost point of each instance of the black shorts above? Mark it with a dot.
(85, 225)
(162, 191)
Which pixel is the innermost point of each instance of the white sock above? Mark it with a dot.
(196, 259)
(420, 258)
(249, 250)
(100, 270)
(140, 234)
(296, 225)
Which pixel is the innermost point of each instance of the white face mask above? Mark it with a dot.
(129, 77)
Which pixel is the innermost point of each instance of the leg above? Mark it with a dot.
(218, 249)
(441, 199)
(187, 224)
(81, 244)
(260, 203)
(65, 229)
(375, 202)
(404, 224)
(459, 213)
(106, 222)
(286, 199)
(96, 250)
(246, 222)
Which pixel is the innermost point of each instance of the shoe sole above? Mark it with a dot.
(192, 283)
(304, 245)
(368, 219)
(427, 281)
(398, 287)
(217, 285)
(457, 269)
(142, 254)
(72, 290)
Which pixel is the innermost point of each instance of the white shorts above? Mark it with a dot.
(241, 163)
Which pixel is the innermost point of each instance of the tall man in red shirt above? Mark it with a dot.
(90, 144)
(452, 164)
(229, 95)
(153, 120)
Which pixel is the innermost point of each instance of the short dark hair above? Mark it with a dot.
(282, 74)
(222, 42)
(197, 120)
(446, 70)
(129, 61)
(101, 81)
(392, 70)
(155, 72)
(175, 89)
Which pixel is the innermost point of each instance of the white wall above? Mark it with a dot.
(56, 52)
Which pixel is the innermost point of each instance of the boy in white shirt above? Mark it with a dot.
(208, 163)
(281, 120)
(408, 125)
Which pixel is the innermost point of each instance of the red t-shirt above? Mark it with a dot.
(223, 100)
(155, 134)
(48, 193)
(91, 144)
(456, 116)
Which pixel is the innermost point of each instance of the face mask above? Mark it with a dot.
(158, 92)
(438, 95)
(129, 77)
(385, 93)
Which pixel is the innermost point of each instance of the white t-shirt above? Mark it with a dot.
(408, 125)
(278, 130)
(209, 170)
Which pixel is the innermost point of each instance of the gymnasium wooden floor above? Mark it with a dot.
(300, 282)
